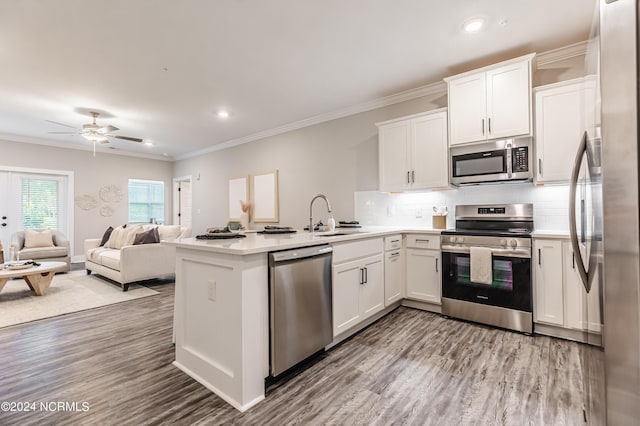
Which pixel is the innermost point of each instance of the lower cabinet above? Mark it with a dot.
(424, 280)
(560, 297)
(358, 291)
(393, 276)
(549, 288)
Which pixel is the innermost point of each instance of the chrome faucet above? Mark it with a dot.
(324, 197)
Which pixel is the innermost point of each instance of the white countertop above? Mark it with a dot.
(542, 233)
(261, 243)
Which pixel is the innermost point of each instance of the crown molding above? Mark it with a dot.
(562, 53)
(99, 149)
(407, 95)
(541, 59)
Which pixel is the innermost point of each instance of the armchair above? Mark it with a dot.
(59, 252)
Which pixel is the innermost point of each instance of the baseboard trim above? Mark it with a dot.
(78, 258)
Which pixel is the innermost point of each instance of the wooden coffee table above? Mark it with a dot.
(38, 278)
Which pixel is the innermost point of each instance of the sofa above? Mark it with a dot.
(124, 262)
(56, 251)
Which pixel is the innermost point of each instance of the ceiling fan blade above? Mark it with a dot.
(60, 124)
(126, 138)
(62, 133)
(107, 129)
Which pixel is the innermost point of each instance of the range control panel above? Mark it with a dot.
(491, 210)
(520, 159)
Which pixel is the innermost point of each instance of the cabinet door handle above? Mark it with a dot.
(573, 260)
(540, 166)
(408, 177)
(395, 241)
(483, 127)
(395, 254)
(413, 176)
(489, 125)
(366, 275)
(361, 276)
(539, 257)
(436, 264)
(418, 240)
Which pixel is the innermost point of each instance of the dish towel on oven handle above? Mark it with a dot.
(481, 265)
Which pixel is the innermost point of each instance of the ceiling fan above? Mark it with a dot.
(94, 132)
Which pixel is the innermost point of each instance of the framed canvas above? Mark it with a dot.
(265, 197)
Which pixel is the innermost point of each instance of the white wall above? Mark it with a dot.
(89, 175)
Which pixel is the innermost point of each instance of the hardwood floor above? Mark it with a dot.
(411, 367)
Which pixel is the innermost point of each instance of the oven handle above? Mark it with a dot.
(525, 253)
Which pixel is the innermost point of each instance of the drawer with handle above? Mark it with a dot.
(393, 242)
(423, 241)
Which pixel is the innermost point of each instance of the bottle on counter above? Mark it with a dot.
(332, 223)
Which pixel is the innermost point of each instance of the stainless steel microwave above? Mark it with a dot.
(495, 161)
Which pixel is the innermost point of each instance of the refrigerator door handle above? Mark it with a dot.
(584, 275)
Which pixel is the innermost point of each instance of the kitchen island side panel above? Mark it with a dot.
(222, 323)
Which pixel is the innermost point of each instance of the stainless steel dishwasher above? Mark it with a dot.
(300, 305)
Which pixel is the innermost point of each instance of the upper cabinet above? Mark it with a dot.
(491, 103)
(559, 124)
(413, 152)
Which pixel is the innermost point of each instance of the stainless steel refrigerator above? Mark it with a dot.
(604, 217)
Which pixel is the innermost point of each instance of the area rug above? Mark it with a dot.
(70, 292)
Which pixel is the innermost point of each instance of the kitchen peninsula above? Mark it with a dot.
(221, 316)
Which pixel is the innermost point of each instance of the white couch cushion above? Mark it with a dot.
(43, 252)
(169, 232)
(121, 236)
(33, 238)
(111, 259)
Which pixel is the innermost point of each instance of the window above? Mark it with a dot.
(40, 203)
(146, 201)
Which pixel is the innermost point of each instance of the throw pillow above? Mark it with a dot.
(148, 237)
(33, 238)
(169, 232)
(105, 236)
(131, 233)
(116, 238)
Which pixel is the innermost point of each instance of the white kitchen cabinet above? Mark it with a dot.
(394, 270)
(358, 283)
(577, 315)
(346, 296)
(559, 126)
(549, 292)
(423, 268)
(413, 152)
(490, 103)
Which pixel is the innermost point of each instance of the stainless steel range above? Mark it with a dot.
(486, 271)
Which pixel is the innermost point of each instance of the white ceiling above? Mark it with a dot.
(161, 69)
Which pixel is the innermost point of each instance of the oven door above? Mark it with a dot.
(511, 286)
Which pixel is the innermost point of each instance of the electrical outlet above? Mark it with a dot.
(391, 211)
(211, 290)
(418, 213)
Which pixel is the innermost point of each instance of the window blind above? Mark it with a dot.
(40, 203)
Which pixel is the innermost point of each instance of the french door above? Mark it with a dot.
(33, 200)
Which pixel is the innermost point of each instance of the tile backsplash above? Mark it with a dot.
(550, 204)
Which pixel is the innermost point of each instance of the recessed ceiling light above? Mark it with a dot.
(148, 143)
(223, 114)
(473, 25)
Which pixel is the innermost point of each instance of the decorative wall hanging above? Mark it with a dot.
(238, 193)
(265, 197)
(86, 201)
(106, 211)
(111, 194)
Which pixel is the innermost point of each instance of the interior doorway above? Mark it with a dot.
(182, 205)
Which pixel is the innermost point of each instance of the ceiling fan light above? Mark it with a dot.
(94, 137)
